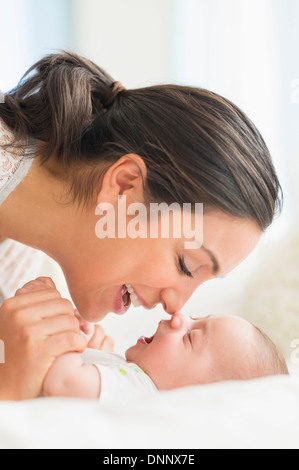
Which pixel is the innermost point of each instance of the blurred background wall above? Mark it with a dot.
(245, 50)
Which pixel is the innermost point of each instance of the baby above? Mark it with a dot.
(181, 353)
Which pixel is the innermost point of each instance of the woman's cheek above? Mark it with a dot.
(159, 273)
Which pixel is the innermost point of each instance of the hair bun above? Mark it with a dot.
(112, 93)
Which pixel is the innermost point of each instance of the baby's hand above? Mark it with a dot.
(100, 341)
(96, 335)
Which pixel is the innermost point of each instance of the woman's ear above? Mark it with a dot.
(125, 177)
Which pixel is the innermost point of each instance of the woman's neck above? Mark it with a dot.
(35, 213)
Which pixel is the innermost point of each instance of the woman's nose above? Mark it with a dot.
(173, 300)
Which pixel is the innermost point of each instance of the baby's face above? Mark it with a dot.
(186, 352)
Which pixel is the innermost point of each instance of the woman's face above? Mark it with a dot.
(154, 270)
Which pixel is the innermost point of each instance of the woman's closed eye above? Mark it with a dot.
(183, 268)
(189, 336)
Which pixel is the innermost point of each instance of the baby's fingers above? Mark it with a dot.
(100, 341)
(87, 328)
(108, 344)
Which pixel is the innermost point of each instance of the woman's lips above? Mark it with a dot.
(141, 300)
(119, 307)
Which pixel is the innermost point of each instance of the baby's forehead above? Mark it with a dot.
(222, 319)
(222, 329)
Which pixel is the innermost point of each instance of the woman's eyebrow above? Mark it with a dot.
(216, 266)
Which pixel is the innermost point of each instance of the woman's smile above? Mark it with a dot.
(130, 292)
(126, 296)
(122, 301)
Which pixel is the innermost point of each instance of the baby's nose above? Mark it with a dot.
(177, 321)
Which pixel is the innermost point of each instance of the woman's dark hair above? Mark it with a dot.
(197, 145)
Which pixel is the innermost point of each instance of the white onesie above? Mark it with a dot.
(121, 381)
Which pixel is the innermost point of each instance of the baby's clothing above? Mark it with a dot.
(121, 381)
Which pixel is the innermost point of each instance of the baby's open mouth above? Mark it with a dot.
(145, 340)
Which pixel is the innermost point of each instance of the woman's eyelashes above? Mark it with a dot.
(183, 268)
(189, 335)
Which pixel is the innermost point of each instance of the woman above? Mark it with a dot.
(94, 141)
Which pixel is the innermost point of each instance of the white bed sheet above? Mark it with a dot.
(262, 413)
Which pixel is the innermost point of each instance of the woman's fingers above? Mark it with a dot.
(41, 283)
(57, 345)
(35, 308)
(55, 325)
(47, 281)
(52, 308)
(27, 298)
(36, 326)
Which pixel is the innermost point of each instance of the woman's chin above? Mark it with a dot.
(94, 308)
(91, 314)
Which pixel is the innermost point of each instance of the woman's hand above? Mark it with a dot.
(36, 326)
